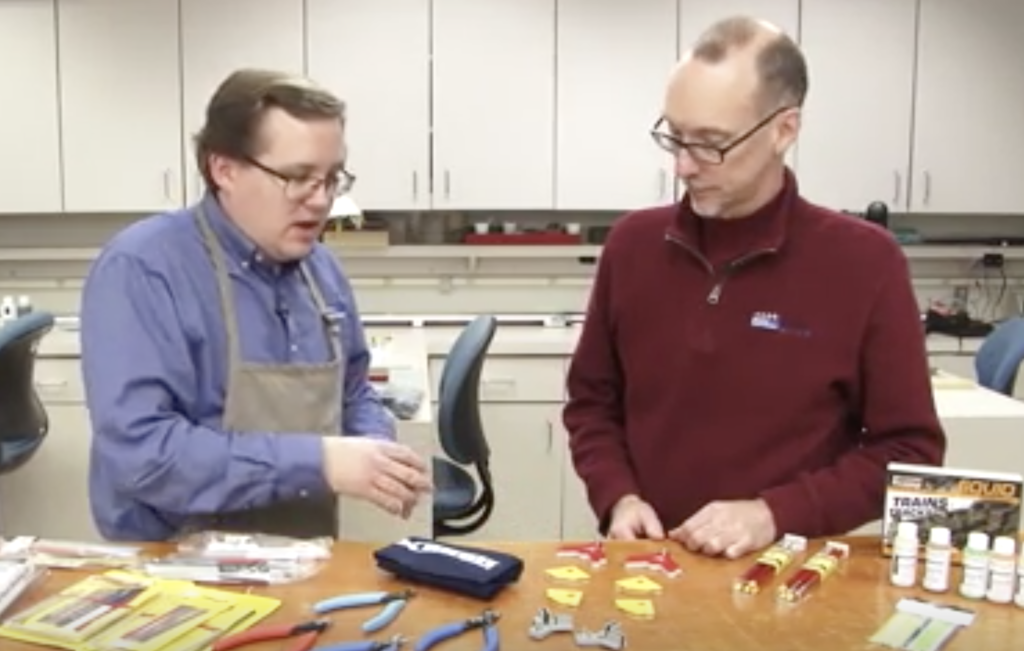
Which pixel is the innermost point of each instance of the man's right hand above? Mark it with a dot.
(632, 518)
(384, 473)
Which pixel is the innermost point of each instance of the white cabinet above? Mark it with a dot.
(376, 57)
(493, 104)
(854, 146)
(613, 64)
(520, 411)
(120, 105)
(221, 36)
(29, 122)
(968, 128)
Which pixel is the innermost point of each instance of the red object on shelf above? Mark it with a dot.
(553, 237)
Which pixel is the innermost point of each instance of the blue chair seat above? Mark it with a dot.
(24, 422)
(13, 452)
(454, 490)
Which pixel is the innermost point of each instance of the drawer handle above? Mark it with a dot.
(51, 384)
(502, 383)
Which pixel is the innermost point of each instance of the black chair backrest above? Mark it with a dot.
(460, 430)
(22, 415)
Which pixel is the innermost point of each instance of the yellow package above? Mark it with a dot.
(160, 621)
(100, 613)
(82, 610)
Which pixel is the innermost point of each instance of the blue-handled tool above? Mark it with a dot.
(393, 603)
(394, 644)
(486, 621)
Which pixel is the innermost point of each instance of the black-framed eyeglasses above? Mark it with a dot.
(703, 152)
(303, 186)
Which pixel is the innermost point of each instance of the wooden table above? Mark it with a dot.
(697, 610)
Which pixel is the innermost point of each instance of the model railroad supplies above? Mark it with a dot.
(962, 500)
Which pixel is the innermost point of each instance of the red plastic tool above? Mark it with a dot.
(305, 635)
(660, 561)
(591, 552)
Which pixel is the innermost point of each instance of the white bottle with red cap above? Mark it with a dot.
(1002, 570)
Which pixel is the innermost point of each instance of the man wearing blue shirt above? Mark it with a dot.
(224, 359)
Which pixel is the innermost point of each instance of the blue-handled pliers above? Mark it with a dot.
(394, 644)
(486, 621)
(393, 603)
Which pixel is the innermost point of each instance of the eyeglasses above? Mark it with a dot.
(703, 152)
(302, 187)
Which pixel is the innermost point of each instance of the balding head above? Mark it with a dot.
(732, 111)
(778, 62)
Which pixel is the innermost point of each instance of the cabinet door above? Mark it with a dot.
(221, 36)
(30, 126)
(613, 64)
(854, 146)
(29, 505)
(388, 129)
(968, 130)
(526, 465)
(120, 105)
(493, 104)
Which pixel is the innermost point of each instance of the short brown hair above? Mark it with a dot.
(780, 63)
(237, 107)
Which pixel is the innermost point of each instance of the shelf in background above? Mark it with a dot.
(478, 252)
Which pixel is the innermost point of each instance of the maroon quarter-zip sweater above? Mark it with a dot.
(779, 356)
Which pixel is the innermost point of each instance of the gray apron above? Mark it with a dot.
(280, 398)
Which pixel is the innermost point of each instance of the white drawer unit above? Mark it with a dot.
(513, 379)
(59, 380)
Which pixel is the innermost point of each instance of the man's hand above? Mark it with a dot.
(730, 528)
(633, 518)
(384, 473)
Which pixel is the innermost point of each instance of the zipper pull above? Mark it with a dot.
(715, 293)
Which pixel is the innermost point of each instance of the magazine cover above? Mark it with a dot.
(963, 500)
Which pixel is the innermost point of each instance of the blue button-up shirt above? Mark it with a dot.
(154, 360)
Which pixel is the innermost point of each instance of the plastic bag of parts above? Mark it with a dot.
(403, 402)
(254, 547)
(219, 571)
(15, 578)
(69, 554)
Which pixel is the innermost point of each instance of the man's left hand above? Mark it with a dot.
(731, 528)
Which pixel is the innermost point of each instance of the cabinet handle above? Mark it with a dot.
(51, 384)
(167, 185)
(551, 435)
(447, 184)
(927, 188)
(897, 190)
(415, 185)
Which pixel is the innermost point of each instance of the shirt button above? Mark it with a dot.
(295, 348)
(303, 494)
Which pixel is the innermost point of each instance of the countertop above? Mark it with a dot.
(696, 610)
(514, 338)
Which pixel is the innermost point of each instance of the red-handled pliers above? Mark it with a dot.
(306, 634)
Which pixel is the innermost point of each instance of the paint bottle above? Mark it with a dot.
(8, 310)
(903, 570)
(975, 562)
(938, 560)
(24, 305)
(1002, 566)
(1019, 600)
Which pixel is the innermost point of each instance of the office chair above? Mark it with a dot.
(23, 419)
(460, 506)
(1000, 356)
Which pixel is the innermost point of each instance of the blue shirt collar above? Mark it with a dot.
(237, 245)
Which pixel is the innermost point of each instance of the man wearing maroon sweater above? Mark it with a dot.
(750, 362)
